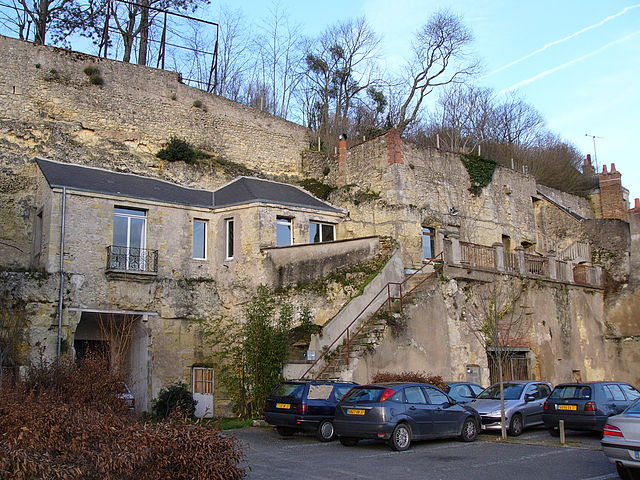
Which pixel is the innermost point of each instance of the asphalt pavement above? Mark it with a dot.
(533, 456)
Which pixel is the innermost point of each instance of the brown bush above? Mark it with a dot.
(418, 377)
(71, 425)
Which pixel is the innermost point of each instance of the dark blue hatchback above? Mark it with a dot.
(402, 412)
(309, 406)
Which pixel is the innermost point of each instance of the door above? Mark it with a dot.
(446, 417)
(129, 239)
(616, 401)
(533, 410)
(419, 411)
(202, 387)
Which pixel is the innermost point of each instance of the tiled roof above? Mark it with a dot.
(240, 191)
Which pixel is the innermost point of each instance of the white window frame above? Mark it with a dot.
(143, 240)
(320, 225)
(229, 255)
(204, 240)
(281, 220)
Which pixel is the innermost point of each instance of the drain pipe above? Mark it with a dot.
(61, 295)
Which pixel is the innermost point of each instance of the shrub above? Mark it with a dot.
(178, 150)
(176, 397)
(63, 422)
(96, 79)
(91, 70)
(420, 377)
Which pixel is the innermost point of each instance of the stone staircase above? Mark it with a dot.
(340, 362)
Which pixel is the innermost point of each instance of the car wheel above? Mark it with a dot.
(626, 473)
(325, 432)
(554, 432)
(349, 441)
(401, 437)
(515, 426)
(286, 431)
(469, 430)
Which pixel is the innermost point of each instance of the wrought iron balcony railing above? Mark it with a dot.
(132, 259)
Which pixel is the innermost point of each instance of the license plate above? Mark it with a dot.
(283, 405)
(355, 411)
(567, 407)
(635, 454)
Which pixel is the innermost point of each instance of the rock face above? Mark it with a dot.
(390, 191)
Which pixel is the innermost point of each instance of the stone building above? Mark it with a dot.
(157, 246)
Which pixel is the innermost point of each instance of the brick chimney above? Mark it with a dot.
(636, 207)
(587, 166)
(611, 196)
(342, 159)
(394, 147)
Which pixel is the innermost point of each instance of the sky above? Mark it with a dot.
(576, 61)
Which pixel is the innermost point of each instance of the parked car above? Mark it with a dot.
(463, 392)
(621, 442)
(586, 405)
(402, 412)
(523, 404)
(299, 406)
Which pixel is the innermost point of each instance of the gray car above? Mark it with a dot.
(621, 442)
(524, 401)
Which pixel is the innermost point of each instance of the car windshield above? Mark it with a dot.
(363, 394)
(634, 408)
(512, 391)
(571, 392)
(294, 390)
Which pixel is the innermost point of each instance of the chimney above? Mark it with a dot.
(342, 159)
(636, 208)
(612, 199)
(394, 147)
(587, 167)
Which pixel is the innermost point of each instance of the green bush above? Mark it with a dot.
(91, 70)
(172, 398)
(178, 150)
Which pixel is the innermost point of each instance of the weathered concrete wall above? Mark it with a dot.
(566, 333)
(575, 203)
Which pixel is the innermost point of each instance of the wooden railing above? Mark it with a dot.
(479, 256)
(393, 291)
(535, 265)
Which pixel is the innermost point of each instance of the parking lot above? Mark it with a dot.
(534, 455)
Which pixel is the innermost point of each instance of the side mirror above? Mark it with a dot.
(529, 398)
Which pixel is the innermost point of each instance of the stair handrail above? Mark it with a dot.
(388, 300)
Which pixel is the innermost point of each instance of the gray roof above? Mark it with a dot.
(249, 189)
(240, 191)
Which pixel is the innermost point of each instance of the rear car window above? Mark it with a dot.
(294, 390)
(319, 392)
(572, 392)
(364, 395)
(341, 391)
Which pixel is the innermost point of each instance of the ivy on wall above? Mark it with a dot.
(480, 171)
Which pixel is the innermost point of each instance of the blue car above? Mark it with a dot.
(305, 406)
(402, 412)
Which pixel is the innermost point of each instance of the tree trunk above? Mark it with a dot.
(503, 423)
(144, 33)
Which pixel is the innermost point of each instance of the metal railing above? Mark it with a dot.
(393, 291)
(535, 265)
(132, 259)
(477, 255)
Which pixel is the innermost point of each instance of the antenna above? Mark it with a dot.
(595, 156)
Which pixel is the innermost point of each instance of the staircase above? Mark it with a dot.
(365, 332)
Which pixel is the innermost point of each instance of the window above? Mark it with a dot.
(428, 242)
(199, 239)
(436, 397)
(228, 227)
(321, 232)
(284, 232)
(414, 395)
(631, 392)
(129, 238)
(613, 392)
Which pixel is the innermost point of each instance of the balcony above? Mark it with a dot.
(496, 260)
(132, 260)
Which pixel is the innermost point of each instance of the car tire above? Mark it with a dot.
(626, 473)
(325, 431)
(516, 426)
(469, 430)
(285, 431)
(554, 432)
(349, 441)
(400, 437)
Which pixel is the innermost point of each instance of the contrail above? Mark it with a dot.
(568, 64)
(551, 44)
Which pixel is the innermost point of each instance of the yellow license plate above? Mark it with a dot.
(355, 411)
(283, 405)
(567, 407)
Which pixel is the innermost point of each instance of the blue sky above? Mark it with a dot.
(586, 81)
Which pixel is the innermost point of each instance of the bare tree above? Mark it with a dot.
(514, 121)
(233, 54)
(117, 331)
(13, 325)
(496, 316)
(440, 58)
